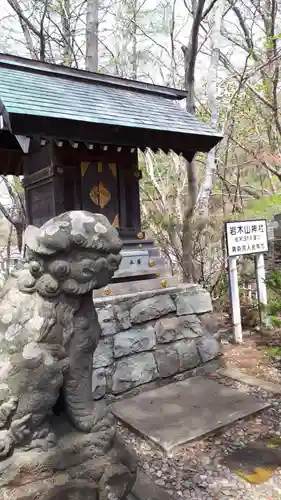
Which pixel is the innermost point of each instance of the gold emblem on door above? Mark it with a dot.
(100, 195)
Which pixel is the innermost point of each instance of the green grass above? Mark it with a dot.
(273, 352)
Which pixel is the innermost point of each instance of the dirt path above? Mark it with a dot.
(259, 355)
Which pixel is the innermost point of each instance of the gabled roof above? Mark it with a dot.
(43, 99)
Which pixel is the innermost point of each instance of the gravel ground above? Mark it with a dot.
(195, 471)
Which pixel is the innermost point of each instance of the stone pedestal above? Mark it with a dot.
(78, 467)
(150, 336)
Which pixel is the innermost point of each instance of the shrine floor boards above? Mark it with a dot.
(180, 412)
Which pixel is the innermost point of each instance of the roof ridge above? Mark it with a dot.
(56, 70)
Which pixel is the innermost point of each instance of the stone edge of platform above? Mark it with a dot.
(235, 374)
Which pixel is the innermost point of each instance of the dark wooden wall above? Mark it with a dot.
(59, 179)
(43, 184)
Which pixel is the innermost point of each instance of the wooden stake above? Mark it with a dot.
(261, 287)
(235, 300)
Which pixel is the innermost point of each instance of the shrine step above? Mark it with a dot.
(137, 286)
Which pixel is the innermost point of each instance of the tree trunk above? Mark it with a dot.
(28, 28)
(190, 192)
(134, 41)
(28, 40)
(207, 185)
(92, 28)
(9, 245)
(15, 213)
(190, 195)
(67, 52)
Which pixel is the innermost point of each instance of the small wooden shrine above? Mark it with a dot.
(74, 136)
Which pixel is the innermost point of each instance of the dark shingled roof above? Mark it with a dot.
(77, 102)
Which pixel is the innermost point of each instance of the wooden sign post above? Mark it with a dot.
(246, 238)
(235, 300)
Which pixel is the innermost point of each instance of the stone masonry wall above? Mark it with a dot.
(149, 336)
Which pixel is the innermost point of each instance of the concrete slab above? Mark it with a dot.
(236, 374)
(183, 411)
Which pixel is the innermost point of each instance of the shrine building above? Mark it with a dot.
(74, 136)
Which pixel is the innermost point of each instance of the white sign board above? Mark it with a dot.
(246, 237)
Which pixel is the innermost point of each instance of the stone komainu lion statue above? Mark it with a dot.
(49, 328)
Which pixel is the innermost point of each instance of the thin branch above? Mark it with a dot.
(208, 9)
(16, 7)
(42, 34)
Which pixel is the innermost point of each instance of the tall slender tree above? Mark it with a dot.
(92, 32)
(205, 191)
(190, 52)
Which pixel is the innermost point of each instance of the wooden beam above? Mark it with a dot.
(41, 175)
(65, 130)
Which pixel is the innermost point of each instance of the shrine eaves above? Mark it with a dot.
(65, 104)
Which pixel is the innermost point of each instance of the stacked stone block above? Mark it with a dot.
(149, 336)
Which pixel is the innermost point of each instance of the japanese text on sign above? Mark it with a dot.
(246, 237)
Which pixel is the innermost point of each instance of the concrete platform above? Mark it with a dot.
(184, 411)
